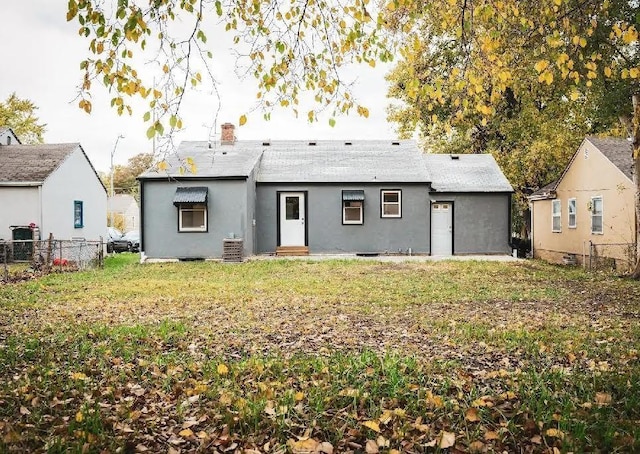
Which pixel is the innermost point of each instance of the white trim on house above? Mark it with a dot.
(192, 207)
(384, 203)
(593, 214)
(352, 206)
(574, 205)
(556, 215)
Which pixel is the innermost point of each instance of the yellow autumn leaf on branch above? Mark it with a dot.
(541, 65)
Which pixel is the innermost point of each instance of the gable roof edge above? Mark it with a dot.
(610, 161)
(78, 146)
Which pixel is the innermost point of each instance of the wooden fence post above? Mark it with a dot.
(48, 258)
(6, 268)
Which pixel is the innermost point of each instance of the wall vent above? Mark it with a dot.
(395, 143)
(455, 157)
(312, 144)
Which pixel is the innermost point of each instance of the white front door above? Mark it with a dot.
(292, 228)
(441, 228)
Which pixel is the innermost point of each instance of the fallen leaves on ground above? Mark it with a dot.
(320, 357)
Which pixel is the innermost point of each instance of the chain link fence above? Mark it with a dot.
(44, 256)
(618, 257)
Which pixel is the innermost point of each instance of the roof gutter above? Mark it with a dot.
(21, 183)
(183, 179)
(543, 196)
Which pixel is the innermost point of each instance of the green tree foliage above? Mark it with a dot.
(523, 80)
(532, 137)
(19, 115)
(124, 176)
(288, 48)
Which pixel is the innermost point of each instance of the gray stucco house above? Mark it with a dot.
(294, 197)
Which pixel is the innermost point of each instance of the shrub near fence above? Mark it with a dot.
(51, 254)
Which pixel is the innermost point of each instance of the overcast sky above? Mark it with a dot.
(41, 56)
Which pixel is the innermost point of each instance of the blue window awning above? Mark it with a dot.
(195, 194)
(353, 195)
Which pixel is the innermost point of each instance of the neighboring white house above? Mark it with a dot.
(49, 188)
(7, 137)
(125, 206)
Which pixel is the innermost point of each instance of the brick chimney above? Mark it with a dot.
(228, 137)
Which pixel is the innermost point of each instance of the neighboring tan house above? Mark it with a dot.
(124, 207)
(50, 188)
(589, 212)
(323, 197)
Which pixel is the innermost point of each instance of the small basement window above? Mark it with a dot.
(353, 207)
(391, 203)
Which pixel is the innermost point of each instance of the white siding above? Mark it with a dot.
(7, 137)
(74, 180)
(18, 206)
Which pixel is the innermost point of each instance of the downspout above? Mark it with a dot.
(531, 209)
(509, 225)
(40, 210)
(142, 254)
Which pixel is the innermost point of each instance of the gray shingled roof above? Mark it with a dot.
(342, 162)
(466, 173)
(366, 161)
(32, 163)
(220, 161)
(545, 192)
(618, 151)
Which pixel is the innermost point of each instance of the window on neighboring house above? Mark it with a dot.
(391, 203)
(353, 207)
(556, 216)
(78, 215)
(192, 217)
(596, 215)
(572, 213)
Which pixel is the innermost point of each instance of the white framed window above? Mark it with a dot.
(556, 216)
(440, 206)
(352, 212)
(596, 215)
(391, 203)
(192, 217)
(571, 210)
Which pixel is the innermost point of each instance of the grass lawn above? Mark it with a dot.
(336, 356)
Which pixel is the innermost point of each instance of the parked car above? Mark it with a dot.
(133, 240)
(116, 241)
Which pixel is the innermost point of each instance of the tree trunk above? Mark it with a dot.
(636, 179)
